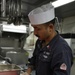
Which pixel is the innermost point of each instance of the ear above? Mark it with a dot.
(51, 26)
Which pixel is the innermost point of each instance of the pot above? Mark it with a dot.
(10, 69)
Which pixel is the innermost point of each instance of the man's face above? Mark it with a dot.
(41, 31)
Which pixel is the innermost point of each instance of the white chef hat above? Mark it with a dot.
(42, 14)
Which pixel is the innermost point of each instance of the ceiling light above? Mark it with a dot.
(61, 2)
(13, 28)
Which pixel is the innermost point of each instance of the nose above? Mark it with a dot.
(35, 32)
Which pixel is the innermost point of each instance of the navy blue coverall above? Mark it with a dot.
(48, 60)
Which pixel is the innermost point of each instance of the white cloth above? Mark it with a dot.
(29, 45)
(30, 42)
(42, 14)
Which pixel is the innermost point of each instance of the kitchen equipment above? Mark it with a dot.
(18, 57)
(10, 69)
(3, 62)
(71, 43)
(5, 59)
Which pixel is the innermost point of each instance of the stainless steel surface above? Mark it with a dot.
(1, 28)
(18, 57)
(5, 67)
(5, 60)
(3, 8)
(9, 70)
(17, 10)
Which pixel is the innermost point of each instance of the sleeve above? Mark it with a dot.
(32, 61)
(61, 61)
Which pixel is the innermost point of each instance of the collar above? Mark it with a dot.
(50, 45)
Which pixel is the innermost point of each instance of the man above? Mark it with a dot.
(52, 55)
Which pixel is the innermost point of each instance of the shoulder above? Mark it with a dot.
(62, 45)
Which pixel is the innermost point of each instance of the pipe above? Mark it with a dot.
(3, 8)
(18, 7)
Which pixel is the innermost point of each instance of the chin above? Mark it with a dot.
(40, 38)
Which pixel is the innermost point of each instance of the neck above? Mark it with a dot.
(50, 37)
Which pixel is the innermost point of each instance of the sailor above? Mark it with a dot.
(52, 54)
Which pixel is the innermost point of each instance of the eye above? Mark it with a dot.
(38, 28)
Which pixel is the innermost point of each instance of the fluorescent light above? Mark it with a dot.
(61, 2)
(13, 28)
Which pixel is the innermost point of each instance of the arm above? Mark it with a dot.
(31, 66)
(32, 62)
(28, 71)
(61, 62)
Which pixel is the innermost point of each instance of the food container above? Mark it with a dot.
(10, 69)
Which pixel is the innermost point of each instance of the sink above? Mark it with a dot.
(10, 69)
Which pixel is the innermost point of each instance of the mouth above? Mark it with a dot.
(37, 36)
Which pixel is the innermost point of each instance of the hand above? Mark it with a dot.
(25, 73)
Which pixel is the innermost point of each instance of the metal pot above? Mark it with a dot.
(10, 69)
